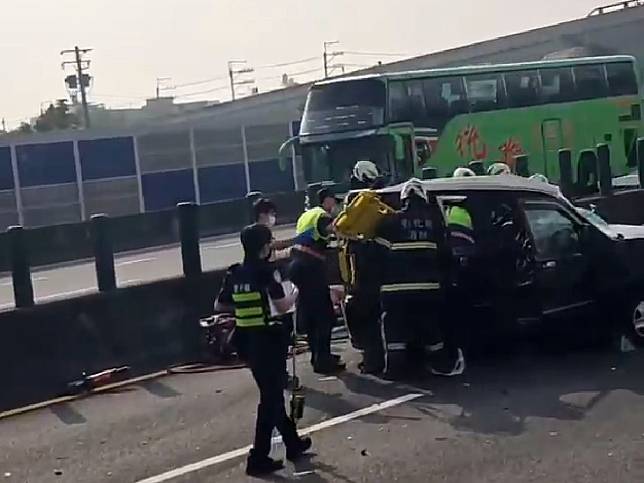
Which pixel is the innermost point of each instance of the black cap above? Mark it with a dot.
(263, 205)
(254, 238)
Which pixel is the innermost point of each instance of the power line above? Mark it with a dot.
(196, 83)
(286, 64)
(208, 91)
(294, 74)
(376, 54)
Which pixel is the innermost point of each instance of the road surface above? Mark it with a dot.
(529, 418)
(69, 280)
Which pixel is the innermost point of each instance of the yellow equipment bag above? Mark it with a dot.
(361, 217)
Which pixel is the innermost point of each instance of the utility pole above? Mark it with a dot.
(329, 56)
(82, 80)
(233, 73)
(161, 80)
(4, 125)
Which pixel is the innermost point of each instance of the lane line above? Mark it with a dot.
(80, 291)
(132, 262)
(9, 282)
(227, 245)
(131, 281)
(200, 465)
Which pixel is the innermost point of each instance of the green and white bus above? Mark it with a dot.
(446, 118)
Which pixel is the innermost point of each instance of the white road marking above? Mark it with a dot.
(215, 247)
(66, 294)
(132, 262)
(131, 281)
(200, 465)
(8, 283)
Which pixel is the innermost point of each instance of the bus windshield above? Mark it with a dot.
(335, 161)
(344, 106)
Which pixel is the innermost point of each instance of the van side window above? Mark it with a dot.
(554, 233)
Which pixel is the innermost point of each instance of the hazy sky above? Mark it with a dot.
(136, 41)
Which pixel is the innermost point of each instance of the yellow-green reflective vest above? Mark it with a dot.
(307, 224)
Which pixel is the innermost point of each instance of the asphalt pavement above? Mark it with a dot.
(534, 417)
(73, 279)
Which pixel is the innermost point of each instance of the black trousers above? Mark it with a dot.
(412, 329)
(363, 314)
(266, 355)
(319, 326)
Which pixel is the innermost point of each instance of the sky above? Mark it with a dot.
(137, 41)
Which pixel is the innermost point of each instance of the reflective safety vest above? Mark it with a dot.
(459, 224)
(250, 298)
(307, 225)
(249, 309)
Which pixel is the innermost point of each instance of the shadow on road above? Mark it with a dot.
(497, 394)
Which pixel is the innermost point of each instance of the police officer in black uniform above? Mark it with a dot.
(253, 291)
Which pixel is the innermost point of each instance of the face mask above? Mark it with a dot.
(271, 220)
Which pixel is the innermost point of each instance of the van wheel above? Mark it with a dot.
(637, 322)
(629, 318)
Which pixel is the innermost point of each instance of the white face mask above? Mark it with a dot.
(271, 220)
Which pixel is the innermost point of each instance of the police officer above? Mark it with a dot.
(413, 286)
(308, 271)
(252, 290)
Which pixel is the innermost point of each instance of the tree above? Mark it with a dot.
(56, 117)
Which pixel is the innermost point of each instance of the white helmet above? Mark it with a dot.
(539, 177)
(498, 168)
(365, 171)
(413, 186)
(463, 172)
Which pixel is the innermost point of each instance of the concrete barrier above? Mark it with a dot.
(148, 327)
(68, 242)
(623, 207)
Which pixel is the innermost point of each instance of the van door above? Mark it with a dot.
(552, 135)
(562, 268)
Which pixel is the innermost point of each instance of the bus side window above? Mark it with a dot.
(407, 102)
(621, 79)
(522, 88)
(445, 97)
(590, 82)
(557, 85)
(485, 92)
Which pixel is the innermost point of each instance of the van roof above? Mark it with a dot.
(484, 183)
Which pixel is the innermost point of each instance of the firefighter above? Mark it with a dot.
(362, 304)
(539, 177)
(365, 175)
(253, 292)
(498, 168)
(308, 271)
(414, 286)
